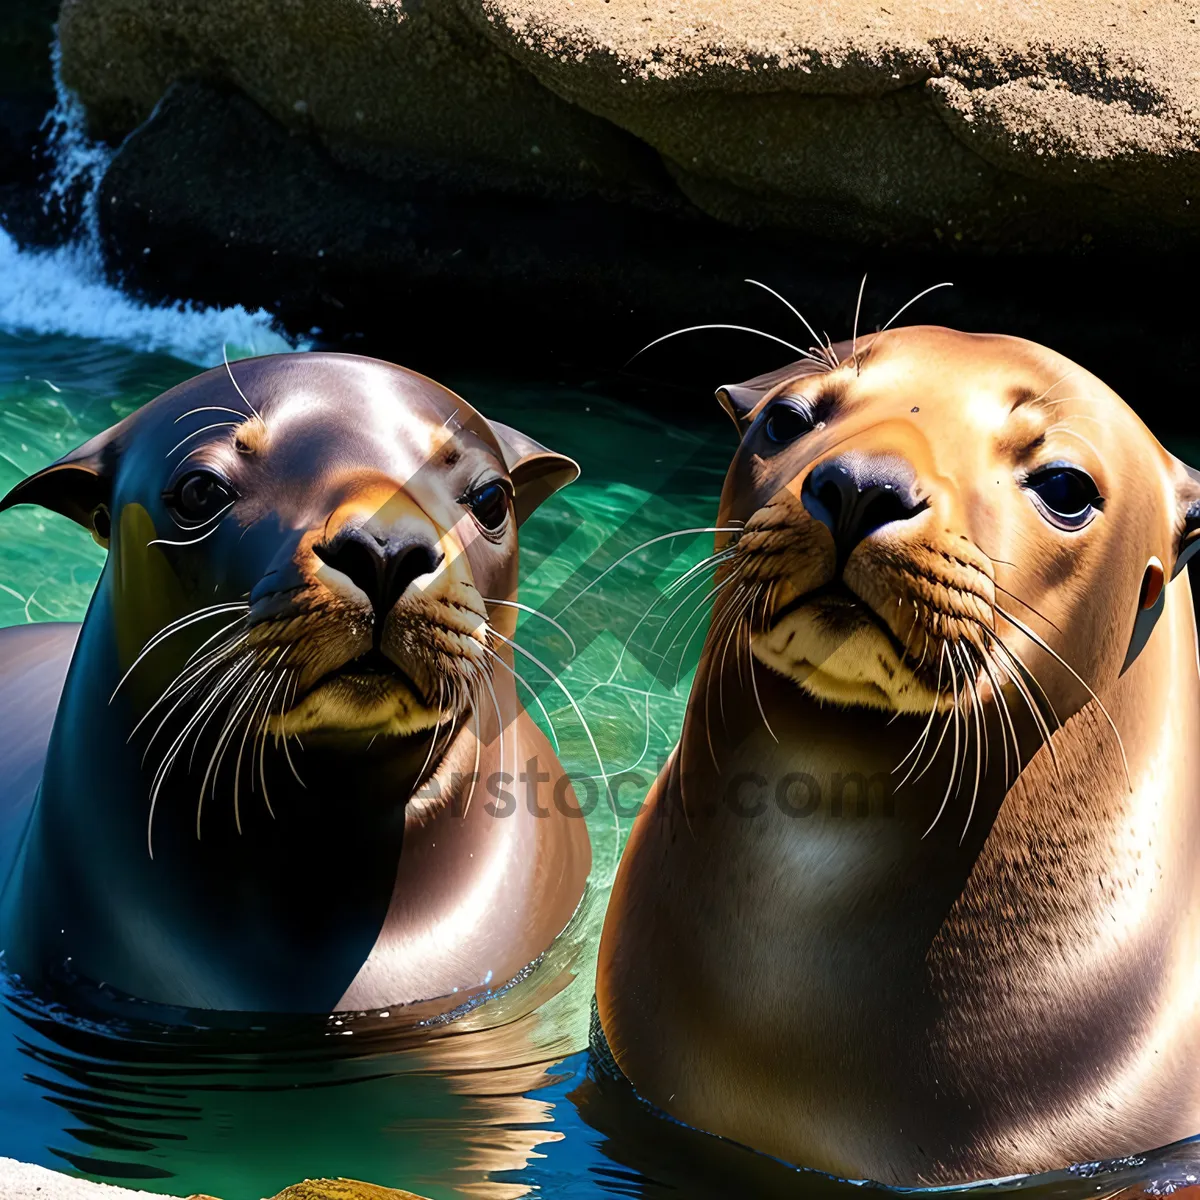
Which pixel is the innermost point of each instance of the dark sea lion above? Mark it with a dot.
(273, 777)
(917, 897)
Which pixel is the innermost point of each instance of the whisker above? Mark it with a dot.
(737, 328)
(258, 688)
(287, 754)
(586, 729)
(229, 372)
(854, 335)
(980, 735)
(913, 301)
(1039, 641)
(188, 685)
(675, 586)
(665, 537)
(475, 768)
(201, 538)
(529, 687)
(174, 627)
(197, 432)
(928, 726)
(164, 768)
(535, 613)
(954, 764)
(797, 312)
(1020, 675)
(191, 412)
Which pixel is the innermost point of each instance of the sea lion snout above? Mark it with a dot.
(855, 494)
(382, 567)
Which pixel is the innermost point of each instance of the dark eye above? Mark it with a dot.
(1067, 496)
(490, 505)
(787, 421)
(199, 496)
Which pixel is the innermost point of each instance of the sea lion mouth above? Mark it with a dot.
(840, 606)
(835, 645)
(373, 672)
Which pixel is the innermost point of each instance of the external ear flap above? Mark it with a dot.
(78, 485)
(537, 473)
(1153, 596)
(1189, 502)
(739, 400)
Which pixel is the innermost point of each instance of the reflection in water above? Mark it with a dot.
(242, 1110)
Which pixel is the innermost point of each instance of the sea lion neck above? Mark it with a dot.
(306, 879)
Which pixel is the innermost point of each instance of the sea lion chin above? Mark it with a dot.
(916, 897)
(259, 788)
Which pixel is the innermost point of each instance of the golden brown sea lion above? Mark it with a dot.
(917, 897)
(281, 769)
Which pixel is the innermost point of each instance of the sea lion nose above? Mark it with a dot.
(856, 494)
(381, 565)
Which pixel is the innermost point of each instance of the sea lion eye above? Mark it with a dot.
(199, 496)
(489, 504)
(1067, 496)
(787, 421)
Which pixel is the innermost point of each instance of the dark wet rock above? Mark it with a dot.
(26, 95)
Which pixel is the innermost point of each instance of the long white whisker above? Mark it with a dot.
(229, 372)
(197, 432)
(854, 336)
(1038, 640)
(737, 328)
(665, 537)
(194, 541)
(535, 613)
(174, 627)
(954, 764)
(586, 729)
(796, 311)
(529, 687)
(913, 301)
(191, 412)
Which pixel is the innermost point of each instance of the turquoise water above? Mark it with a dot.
(243, 1113)
(501, 1104)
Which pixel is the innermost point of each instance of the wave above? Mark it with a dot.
(63, 290)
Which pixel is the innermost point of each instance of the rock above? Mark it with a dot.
(1005, 124)
(1010, 125)
(26, 94)
(341, 1189)
(23, 1181)
(398, 88)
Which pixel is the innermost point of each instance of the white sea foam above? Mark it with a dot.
(64, 290)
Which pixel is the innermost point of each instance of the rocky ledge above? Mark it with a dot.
(1012, 123)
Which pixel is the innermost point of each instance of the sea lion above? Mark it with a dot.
(279, 776)
(917, 897)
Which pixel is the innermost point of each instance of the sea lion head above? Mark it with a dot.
(925, 513)
(315, 537)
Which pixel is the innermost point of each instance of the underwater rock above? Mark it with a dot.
(994, 127)
(24, 1181)
(341, 1189)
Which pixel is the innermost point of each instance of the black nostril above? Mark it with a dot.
(854, 496)
(829, 494)
(406, 563)
(881, 506)
(383, 568)
(358, 557)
